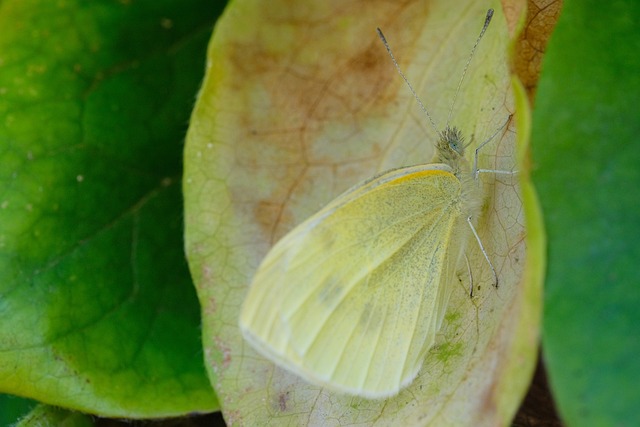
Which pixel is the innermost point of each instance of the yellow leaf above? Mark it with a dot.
(301, 102)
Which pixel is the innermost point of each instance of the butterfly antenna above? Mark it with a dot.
(487, 20)
(415, 95)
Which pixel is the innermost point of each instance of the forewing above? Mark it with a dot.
(352, 298)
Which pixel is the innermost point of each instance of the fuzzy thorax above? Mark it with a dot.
(450, 151)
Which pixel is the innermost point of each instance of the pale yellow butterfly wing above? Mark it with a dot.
(353, 297)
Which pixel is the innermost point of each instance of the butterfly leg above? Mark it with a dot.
(477, 171)
(484, 252)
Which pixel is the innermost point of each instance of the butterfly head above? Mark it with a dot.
(450, 148)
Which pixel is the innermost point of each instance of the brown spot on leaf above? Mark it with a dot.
(541, 19)
(283, 399)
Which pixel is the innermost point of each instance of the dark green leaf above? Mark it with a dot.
(13, 408)
(587, 170)
(50, 416)
(98, 311)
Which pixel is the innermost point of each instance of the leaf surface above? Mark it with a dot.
(586, 157)
(98, 312)
(301, 102)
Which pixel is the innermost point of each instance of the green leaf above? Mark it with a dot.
(301, 102)
(13, 408)
(49, 416)
(586, 163)
(98, 311)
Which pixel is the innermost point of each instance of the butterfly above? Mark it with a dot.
(352, 298)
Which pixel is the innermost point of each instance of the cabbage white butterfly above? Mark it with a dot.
(352, 298)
